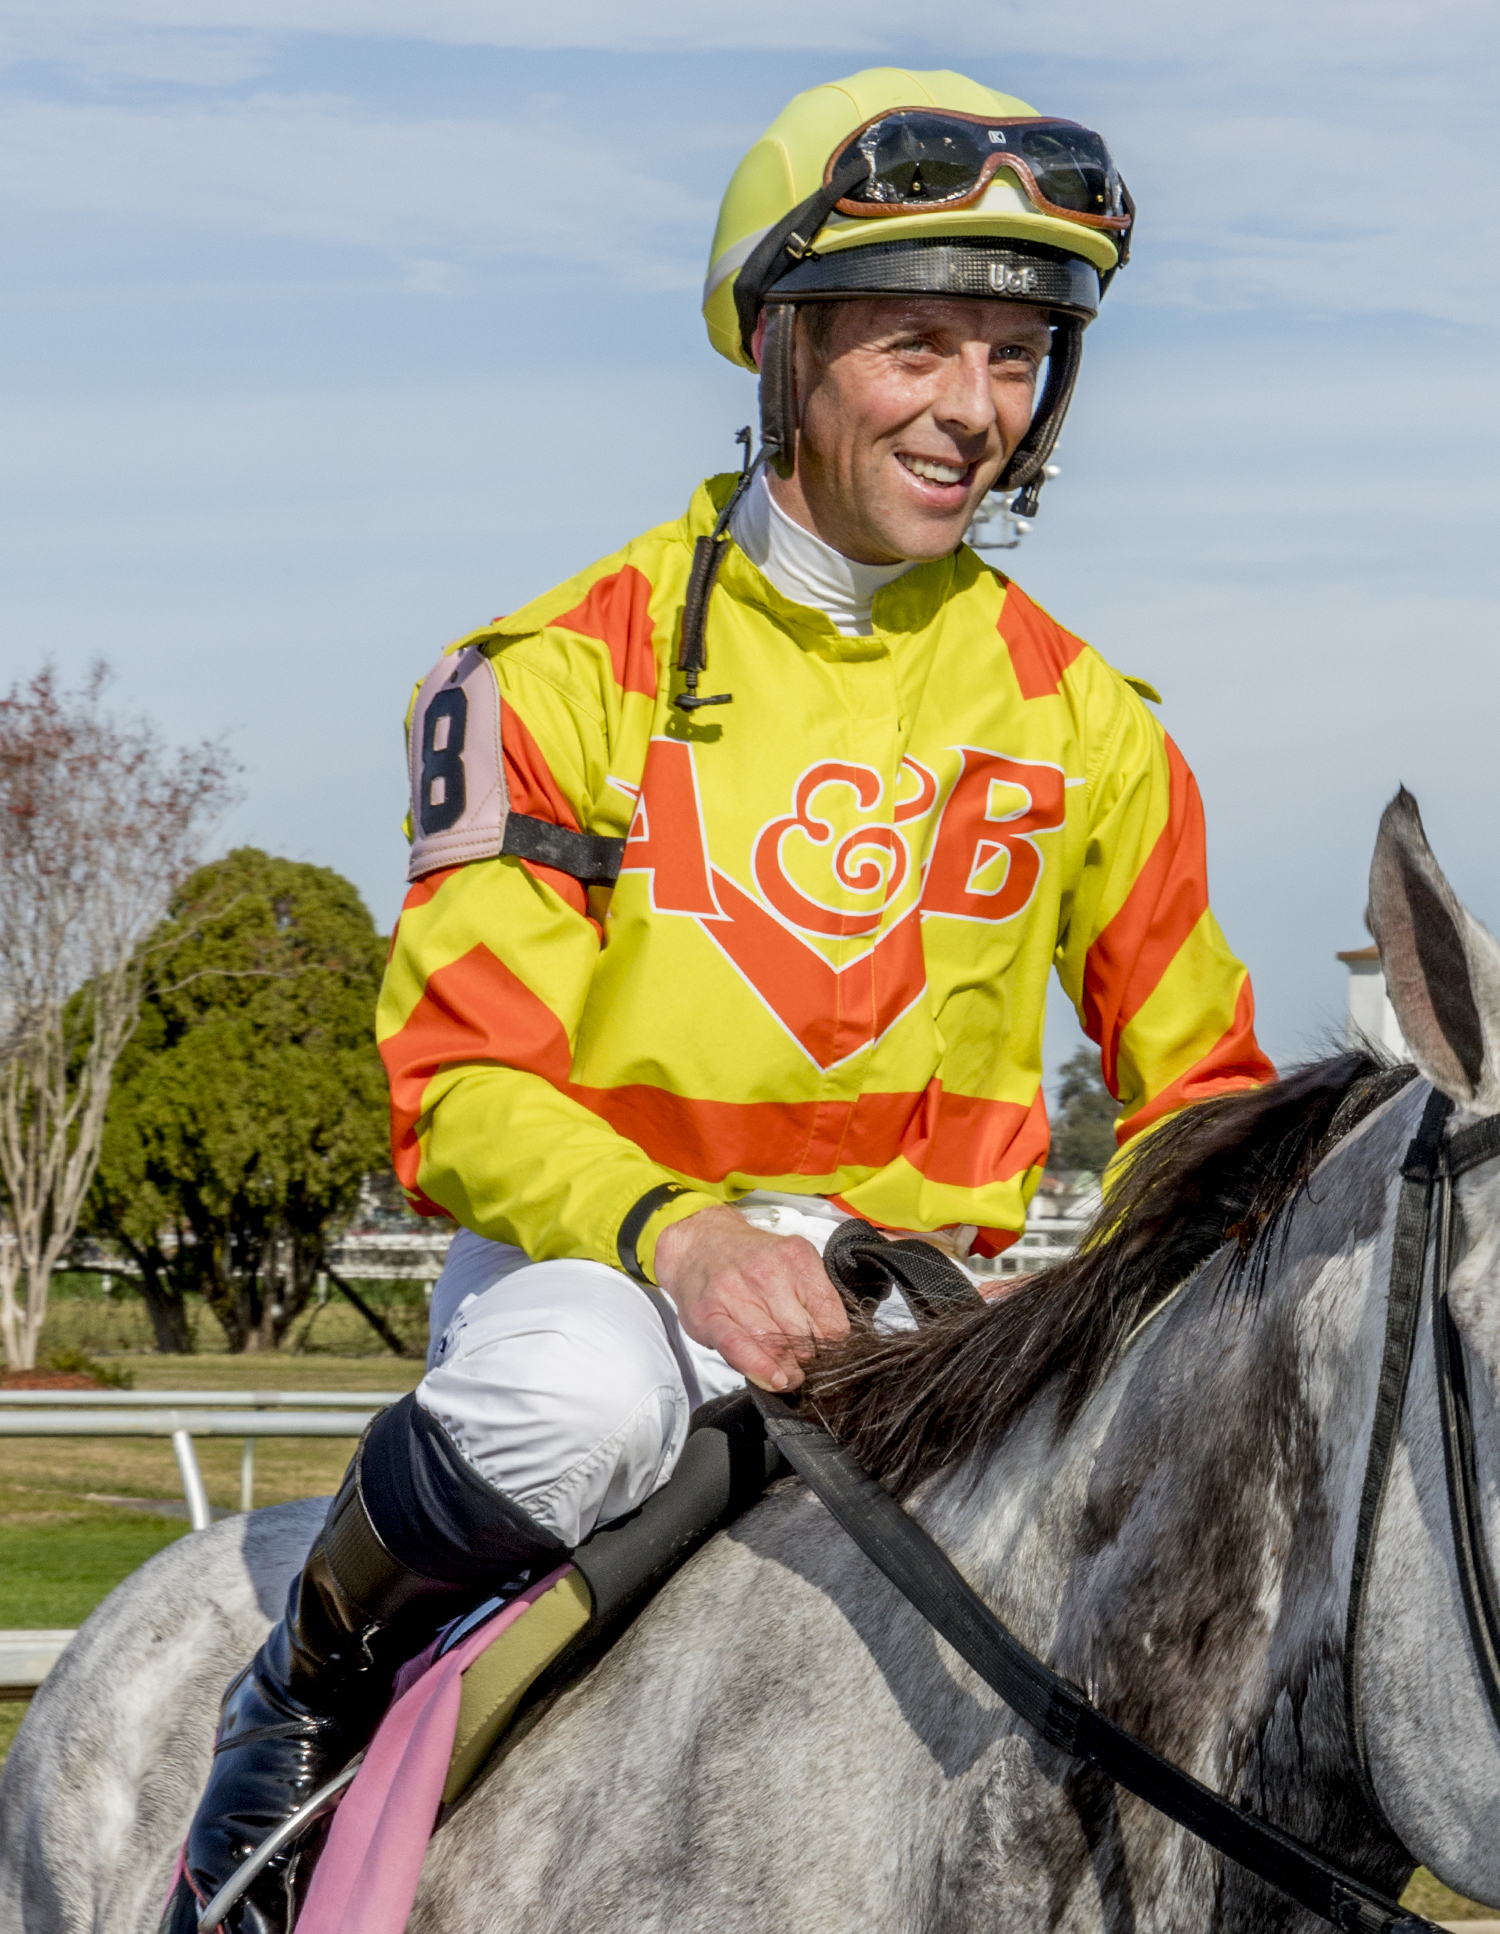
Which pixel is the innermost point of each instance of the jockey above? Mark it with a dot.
(740, 862)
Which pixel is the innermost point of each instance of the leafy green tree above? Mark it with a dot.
(1084, 1134)
(251, 1101)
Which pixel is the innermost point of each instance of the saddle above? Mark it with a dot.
(374, 1893)
(726, 1464)
(484, 1682)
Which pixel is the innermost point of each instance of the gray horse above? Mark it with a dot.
(1161, 1499)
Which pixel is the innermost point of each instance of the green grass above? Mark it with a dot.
(62, 1552)
(12, 1712)
(53, 1575)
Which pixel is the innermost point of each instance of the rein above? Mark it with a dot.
(1063, 1714)
(1065, 1717)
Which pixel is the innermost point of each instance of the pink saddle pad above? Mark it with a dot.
(366, 1877)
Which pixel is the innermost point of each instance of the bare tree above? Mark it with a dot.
(99, 823)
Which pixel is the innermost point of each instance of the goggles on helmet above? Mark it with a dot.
(925, 158)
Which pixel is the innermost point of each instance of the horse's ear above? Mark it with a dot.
(1442, 969)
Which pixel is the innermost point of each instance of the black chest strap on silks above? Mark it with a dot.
(918, 1567)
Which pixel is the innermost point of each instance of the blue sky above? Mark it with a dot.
(330, 330)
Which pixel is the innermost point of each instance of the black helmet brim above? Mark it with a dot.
(991, 268)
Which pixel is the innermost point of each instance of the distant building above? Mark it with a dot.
(1065, 1203)
(1371, 1016)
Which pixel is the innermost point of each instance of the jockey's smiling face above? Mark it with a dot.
(908, 408)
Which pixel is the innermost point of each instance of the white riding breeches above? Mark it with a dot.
(569, 1387)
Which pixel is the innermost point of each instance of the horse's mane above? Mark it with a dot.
(1220, 1172)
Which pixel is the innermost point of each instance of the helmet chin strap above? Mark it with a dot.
(781, 248)
(1027, 468)
(708, 555)
(778, 388)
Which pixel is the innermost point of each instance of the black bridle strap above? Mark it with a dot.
(1466, 1150)
(1408, 1265)
(924, 1574)
(1480, 1142)
(1431, 1166)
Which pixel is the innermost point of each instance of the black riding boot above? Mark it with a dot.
(413, 1539)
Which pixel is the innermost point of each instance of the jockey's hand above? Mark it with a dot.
(762, 1301)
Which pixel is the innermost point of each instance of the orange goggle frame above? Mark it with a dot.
(927, 158)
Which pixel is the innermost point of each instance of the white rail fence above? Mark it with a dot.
(375, 1255)
(181, 1415)
(187, 1414)
(26, 1658)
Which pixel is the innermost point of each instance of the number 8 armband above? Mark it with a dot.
(460, 804)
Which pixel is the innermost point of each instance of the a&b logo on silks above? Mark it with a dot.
(872, 862)
(968, 854)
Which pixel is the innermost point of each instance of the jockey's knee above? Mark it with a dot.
(559, 1387)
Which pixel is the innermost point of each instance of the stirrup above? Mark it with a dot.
(292, 1828)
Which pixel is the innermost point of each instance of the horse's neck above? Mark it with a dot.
(1179, 1551)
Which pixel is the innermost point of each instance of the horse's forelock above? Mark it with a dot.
(1223, 1171)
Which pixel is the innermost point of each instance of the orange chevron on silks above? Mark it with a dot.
(824, 966)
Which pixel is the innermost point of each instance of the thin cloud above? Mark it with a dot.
(1268, 34)
(1309, 210)
(1258, 138)
(318, 170)
(1316, 211)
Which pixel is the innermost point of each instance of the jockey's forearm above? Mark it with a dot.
(511, 1157)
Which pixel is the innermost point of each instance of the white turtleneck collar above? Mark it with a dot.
(804, 568)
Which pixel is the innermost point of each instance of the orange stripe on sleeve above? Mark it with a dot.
(528, 777)
(417, 896)
(617, 611)
(474, 1009)
(1167, 899)
(1234, 1061)
(421, 891)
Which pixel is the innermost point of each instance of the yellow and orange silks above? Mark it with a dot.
(824, 966)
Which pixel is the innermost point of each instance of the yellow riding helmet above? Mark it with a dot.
(788, 163)
(892, 183)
